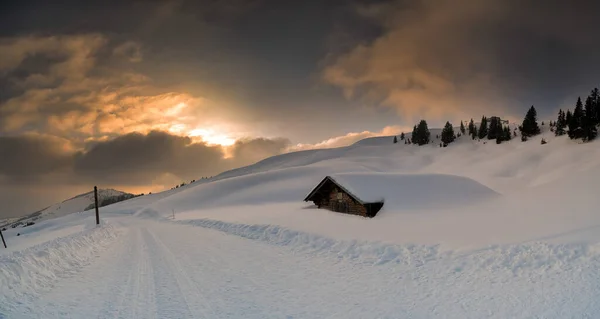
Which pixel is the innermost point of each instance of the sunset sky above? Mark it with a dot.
(141, 95)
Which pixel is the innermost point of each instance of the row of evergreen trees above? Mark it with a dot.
(493, 131)
(582, 123)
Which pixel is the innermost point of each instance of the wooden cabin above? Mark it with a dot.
(330, 194)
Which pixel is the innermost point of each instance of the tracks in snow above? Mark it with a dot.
(140, 278)
(165, 270)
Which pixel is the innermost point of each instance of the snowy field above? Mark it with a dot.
(473, 230)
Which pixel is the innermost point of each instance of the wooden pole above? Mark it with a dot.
(96, 201)
(3, 239)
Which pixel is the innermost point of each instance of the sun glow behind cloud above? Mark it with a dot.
(211, 137)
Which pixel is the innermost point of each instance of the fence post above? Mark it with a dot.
(3, 238)
(96, 201)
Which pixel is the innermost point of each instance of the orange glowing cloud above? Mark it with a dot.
(89, 105)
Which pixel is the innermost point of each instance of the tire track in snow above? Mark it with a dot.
(174, 299)
(131, 292)
(227, 272)
(118, 284)
(145, 292)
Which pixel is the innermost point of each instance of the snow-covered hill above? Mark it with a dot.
(473, 230)
(72, 205)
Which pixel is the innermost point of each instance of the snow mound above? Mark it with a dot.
(413, 191)
(374, 253)
(27, 272)
(399, 191)
(515, 259)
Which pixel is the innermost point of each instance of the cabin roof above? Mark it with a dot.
(351, 185)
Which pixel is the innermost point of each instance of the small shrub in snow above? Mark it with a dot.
(544, 142)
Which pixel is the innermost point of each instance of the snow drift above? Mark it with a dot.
(25, 273)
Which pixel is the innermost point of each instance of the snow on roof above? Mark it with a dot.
(412, 190)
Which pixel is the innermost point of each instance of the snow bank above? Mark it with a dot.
(366, 252)
(28, 272)
(514, 259)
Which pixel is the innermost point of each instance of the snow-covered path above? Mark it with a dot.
(167, 270)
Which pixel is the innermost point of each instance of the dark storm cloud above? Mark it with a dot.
(131, 159)
(31, 157)
(139, 158)
(443, 59)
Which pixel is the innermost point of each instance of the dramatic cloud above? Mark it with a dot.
(446, 60)
(136, 158)
(59, 88)
(31, 157)
(256, 149)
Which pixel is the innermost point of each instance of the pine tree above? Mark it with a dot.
(402, 136)
(471, 127)
(569, 116)
(595, 96)
(395, 140)
(560, 124)
(530, 127)
(413, 136)
(483, 128)
(495, 128)
(503, 135)
(589, 122)
(462, 127)
(575, 128)
(422, 133)
(507, 135)
(448, 134)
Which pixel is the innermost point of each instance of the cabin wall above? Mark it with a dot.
(334, 203)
